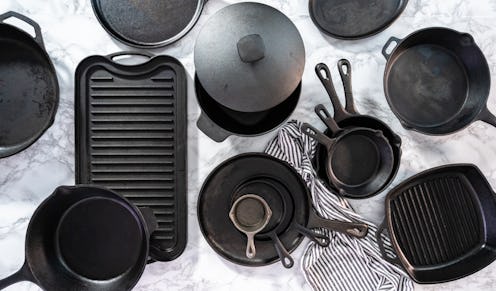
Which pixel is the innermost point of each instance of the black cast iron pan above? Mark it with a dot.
(285, 193)
(437, 81)
(85, 238)
(359, 160)
(442, 223)
(29, 90)
(348, 117)
(355, 19)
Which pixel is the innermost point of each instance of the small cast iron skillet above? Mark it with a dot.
(348, 117)
(359, 160)
(85, 238)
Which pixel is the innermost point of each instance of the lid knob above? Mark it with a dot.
(251, 48)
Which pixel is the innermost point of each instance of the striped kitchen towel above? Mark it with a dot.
(348, 264)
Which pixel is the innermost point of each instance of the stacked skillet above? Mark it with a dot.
(253, 209)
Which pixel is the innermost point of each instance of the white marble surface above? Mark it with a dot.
(71, 33)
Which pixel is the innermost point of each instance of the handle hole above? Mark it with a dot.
(345, 69)
(288, 262)
(389, 49)
(21, 25)
(324, 74)
(130, 60)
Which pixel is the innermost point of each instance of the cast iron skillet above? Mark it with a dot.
(286, 194)
(437, 81)
(355, 19)
(85, 238)
(29, 90)
(442, 224)
(359, 160)
(348, 117)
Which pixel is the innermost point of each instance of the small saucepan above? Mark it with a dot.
(86, 238)
(359, 160)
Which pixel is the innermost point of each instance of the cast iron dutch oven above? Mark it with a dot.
(249, 60)
(86, 238)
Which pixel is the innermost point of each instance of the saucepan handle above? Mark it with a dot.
(487, 117)
(326, 117)
(212, 130)
(358, 230)
(37, 29)
(286, 259)
(380, 242)
(24, 274)
(388, 44)
(314, 133)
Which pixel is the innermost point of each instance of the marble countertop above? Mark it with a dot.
(71, 33)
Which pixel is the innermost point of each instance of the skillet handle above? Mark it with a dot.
(326, 117)
(487, 117)
(37, 29)
(380, 242)
(344, 67)
(358, 230)
(211, 129)
(388, 44)
(24, 274)
(286, 259)
(322, 71)
(314, 133)
(320, 239)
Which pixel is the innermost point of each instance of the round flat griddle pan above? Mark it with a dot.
(437, 81)
(355, 19)
(147, 23)
(29, 90)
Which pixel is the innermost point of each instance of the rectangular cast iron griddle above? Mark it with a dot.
(131, 133)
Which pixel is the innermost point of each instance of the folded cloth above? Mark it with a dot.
(348, 263)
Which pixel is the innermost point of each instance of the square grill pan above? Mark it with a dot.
(131, 131)
(442, 224)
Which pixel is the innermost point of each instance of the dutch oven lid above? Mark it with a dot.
(249, 57)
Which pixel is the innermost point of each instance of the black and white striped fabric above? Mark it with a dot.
(348, 264)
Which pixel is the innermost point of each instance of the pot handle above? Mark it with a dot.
(324, 75)
(344, 67)
(286, 259)
(358, 230)
(24, 274)
(326, 117)
(37, 29)
(150, 219)
(314, 133)
(388, 44)
(487, 117)
(320, 239)
(380, 242)
(212, 130)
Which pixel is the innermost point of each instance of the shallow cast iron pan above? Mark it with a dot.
(355, 19)
(29, 90)
(131, 137)
(442, 224)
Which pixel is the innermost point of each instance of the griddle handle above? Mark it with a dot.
(322, 71)
(358, 230)
(487, 117)
(212, 130)
(326, 117)
(38, 37)
(24, 274)
(385, 49)
(380, 242)
(344, 67)
(286, 259)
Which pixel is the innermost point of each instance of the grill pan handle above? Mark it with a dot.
(322, 71)
(358, 230)
(487, 117)
(24, 274)
(388, 44)
(210, 129)
(380, 242)
(37, 29)
(129, 53)
(344, 67)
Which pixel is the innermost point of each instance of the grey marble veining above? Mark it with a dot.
(71, 33)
